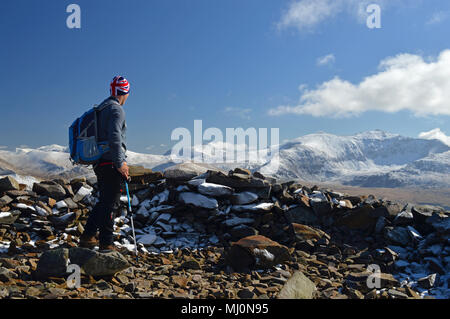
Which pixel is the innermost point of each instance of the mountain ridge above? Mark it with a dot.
(367, 159)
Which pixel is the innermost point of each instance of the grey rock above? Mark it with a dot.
(185, 171)
(244, 198)
(6, 274)
(9, 217)
(198, 200)
(381, 223)
(5, 200)
(403, 219)
(53, 263)
(8, 183)
(427, 282)
(302, 215)
(53, 190)
(398, 235)
(297, 287)
(62, 221)
(98, 263)
(242, 231)
(214, 190)
(397, 294)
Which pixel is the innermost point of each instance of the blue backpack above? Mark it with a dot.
(85, 149)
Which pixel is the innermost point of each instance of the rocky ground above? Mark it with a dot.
(210, 234)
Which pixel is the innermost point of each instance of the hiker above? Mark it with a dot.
(111, 170)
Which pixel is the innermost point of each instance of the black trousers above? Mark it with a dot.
(101, 218)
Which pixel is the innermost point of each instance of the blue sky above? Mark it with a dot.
(230, 63)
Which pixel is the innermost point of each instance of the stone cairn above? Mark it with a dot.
(211, 234)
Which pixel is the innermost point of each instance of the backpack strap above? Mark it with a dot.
(99, 108)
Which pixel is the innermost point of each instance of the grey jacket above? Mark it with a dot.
(112, 128)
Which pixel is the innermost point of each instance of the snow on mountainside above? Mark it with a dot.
(370, 159)
(375, 158)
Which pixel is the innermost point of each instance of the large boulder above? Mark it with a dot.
(53, 263)
(297, 287)
(98, 263)
(256, 252)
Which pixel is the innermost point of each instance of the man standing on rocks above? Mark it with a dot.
(111, 169)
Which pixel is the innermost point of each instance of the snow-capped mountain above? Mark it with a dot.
(375, 159)
(371, 159)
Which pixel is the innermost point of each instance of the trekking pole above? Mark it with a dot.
(132, 224)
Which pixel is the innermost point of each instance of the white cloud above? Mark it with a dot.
(3, 147)
(436, 134)
(307, 14)
(240, 112)
(327, 59)
(438, 17)
(404, 82)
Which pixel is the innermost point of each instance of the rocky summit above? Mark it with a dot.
(213, 234)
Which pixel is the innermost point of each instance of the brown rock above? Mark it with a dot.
(303, 232)
(180, 281)
(191, 263)
(141, 175)
(256, 251)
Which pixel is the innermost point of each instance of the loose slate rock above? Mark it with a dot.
(54, 190)
(8, 183)
(214, 190)
(244, 198)
(9, 217)
(198, 200)
(298, 287)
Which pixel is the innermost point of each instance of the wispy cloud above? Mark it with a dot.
(438, 17)
(327, 59)
(404, 82)
(305, 15)
(436, 134)
(243, 113)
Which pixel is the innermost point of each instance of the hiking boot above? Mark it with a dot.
(88, 241)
